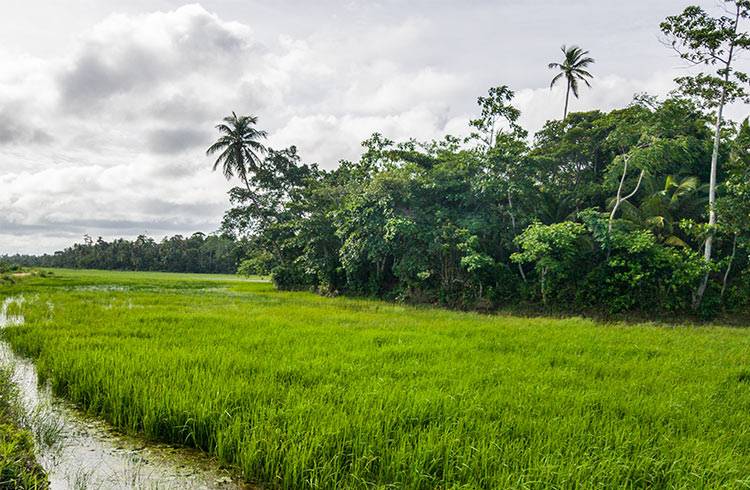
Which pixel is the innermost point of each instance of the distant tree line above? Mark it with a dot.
(196, 253)
(645, 208)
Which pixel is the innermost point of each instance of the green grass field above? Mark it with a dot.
(300, 391)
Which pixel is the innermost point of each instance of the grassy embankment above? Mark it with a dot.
(297, 390)
(18, 466)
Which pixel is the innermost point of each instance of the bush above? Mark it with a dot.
(256, 265)
(641, 274)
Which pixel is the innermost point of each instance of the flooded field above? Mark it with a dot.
(294, 390)
(80, 452)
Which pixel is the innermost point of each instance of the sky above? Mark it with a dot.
(107, 107)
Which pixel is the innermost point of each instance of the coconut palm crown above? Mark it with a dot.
(240, 147)
(573, 69)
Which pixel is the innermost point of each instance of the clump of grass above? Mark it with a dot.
(81, 479)
(6, 279)
(46, 426)
(19, 468)
(300, 391)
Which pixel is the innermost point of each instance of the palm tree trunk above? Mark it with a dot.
(567, 99)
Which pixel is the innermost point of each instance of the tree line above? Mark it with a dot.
(196, 253)
(643, 208)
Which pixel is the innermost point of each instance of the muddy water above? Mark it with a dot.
(83, 453)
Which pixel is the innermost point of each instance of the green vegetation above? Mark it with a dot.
(197, 253)
(18, 465)
(642, 210)
(301, 391)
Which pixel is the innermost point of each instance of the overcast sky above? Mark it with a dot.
(106, 107)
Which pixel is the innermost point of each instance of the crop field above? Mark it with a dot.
(300, 391)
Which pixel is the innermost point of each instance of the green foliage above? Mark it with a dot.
(606, 211)
(734, 203)
(8, 266)
(259, 264)
(553, 249)
(497, 115)
(640, 274)
(712, 41)
(196, 253)
(500, 220)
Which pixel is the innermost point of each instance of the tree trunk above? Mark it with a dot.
(729, 266)
(698, 296)
(567, 98)
(513, 223)
(711, 199)
(619, 199)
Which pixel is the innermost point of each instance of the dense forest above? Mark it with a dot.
(641, 209)
(196, 253)
(645, 208)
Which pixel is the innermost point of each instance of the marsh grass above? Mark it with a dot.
(81, 480)
(299, 391)
(47, 427)
(19, 468)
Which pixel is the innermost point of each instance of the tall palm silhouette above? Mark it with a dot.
(239, 146)
(573, 68)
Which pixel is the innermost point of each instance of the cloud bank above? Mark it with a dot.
(109, 138)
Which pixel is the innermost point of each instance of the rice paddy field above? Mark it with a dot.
(294, 390)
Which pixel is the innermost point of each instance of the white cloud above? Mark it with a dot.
(107, 136)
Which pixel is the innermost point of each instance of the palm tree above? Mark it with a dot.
(667, 200)
(239, 147)
(573, 69)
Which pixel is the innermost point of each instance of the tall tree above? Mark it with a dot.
(497, 115)
(573, 68)
(715, 42)
(734, 205)
(240, 147)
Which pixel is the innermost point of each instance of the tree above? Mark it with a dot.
(715, 42)
(496, 112)
(734, 206)
(504, 148)
(573, 69)
(619, 199)
(667, 200)
(239, 146)
(551, 248)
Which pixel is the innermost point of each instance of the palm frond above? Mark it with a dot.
(574, 86)
(556, 79)
(219, 145)
(239, 146)
(582, 73)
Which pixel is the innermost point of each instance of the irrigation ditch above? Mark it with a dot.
(82, 452)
